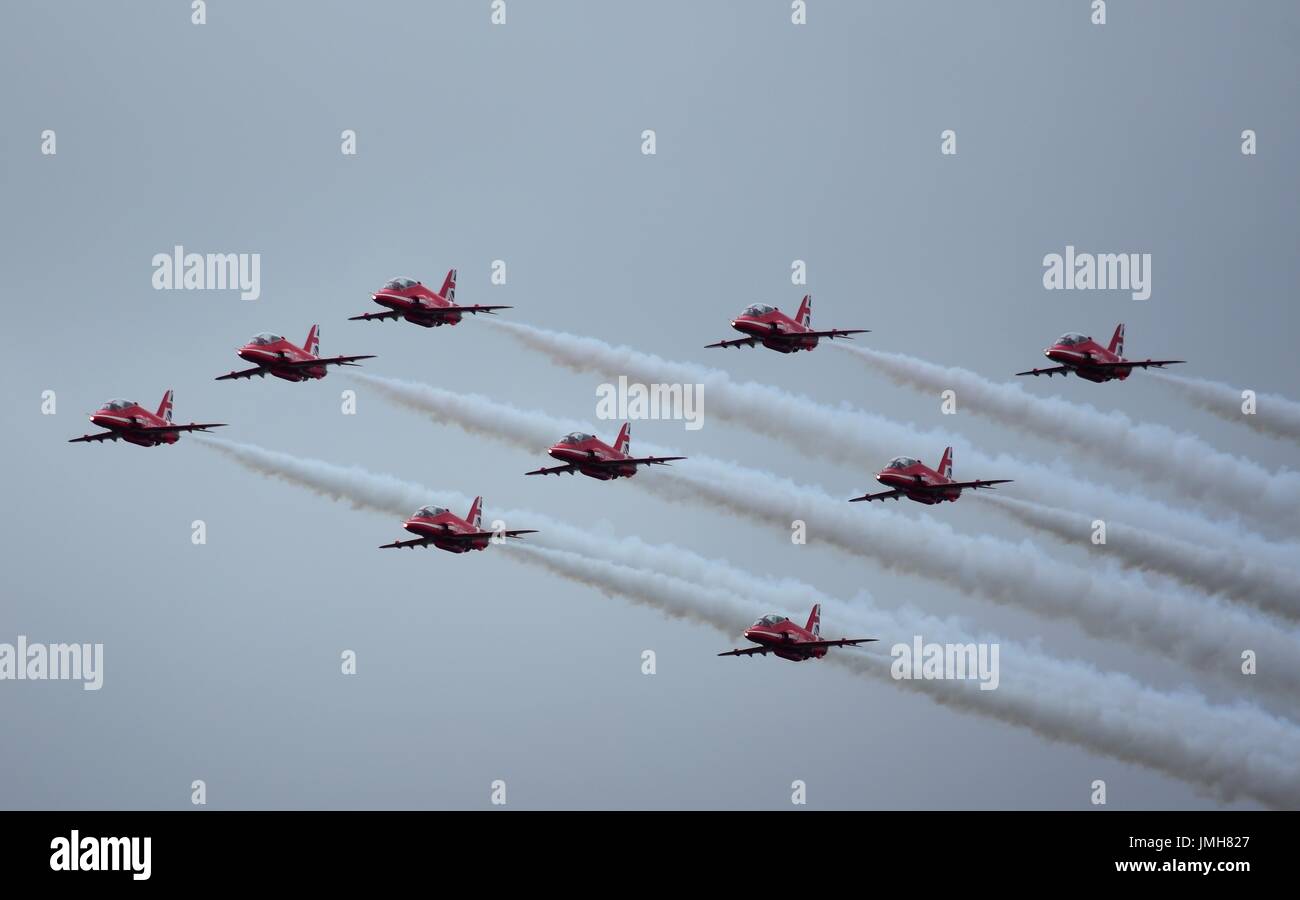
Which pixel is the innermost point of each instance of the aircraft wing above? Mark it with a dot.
(1049, 372)
(643, 460)
(553, 470)
(593, 463)
(841, 642)
(242, 373)
(456, 536)
(978, 483)
(800, 645)
(390, 314)
(471, 535)
(738, 342)
(1136, 364)
(102, 436)
(883, 495)
(323, 361)
(475, 535)
(476, 308)
(174, 429)
(413, 542)
(294, 364)
(834, 333)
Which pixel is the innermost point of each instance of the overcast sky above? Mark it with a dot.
(522, 142)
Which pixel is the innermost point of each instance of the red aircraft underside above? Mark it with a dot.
(594, 458)
(777, 634)
(772, 328)
(412, 301)
(445, 530)
(1089, 360)
(272, 354)
(910, 478)
(129, 421)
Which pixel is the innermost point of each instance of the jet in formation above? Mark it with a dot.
(1086, 358)
(777, 634)
(445, 530)
(911, 478)
(129, 421)
(406, 299)
(767, 325)
(594, 458)
(275, 355)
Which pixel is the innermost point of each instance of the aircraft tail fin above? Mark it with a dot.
(312, 344)
(165, 408)
(448, 291)
(1117, 342)
(815, 620)
(475, 515)
(804, 316)
(945, 464)
(624, 438)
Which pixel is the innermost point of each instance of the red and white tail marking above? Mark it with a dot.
(804, 316)
(165, 408)
(475, 516)
(624, 441)
(815, 621)
(945, 464)
(448, 291)
(312, 344)
(1117, 342)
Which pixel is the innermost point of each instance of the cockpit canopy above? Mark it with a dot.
(1072, 338)
(265, 338)
(399, 284)
(771, 620)
(120, 404)
(428, 512)
(902, 462)
(575, 437)
(758, 309)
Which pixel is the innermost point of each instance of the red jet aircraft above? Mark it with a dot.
(131, 422)
(1086, 358)
(448, 531)
(412, 301)
(910, 478)
(594, 458)
(274, 355)
(772, 328)
(777, 634)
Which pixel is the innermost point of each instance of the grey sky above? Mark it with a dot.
(522, 142)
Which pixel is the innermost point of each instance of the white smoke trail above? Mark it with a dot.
(862, 439)
(1200, 631)
(1152, 450)
(1270, 588)
(1178, 733)
(1232, 751)
(1274, 415)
